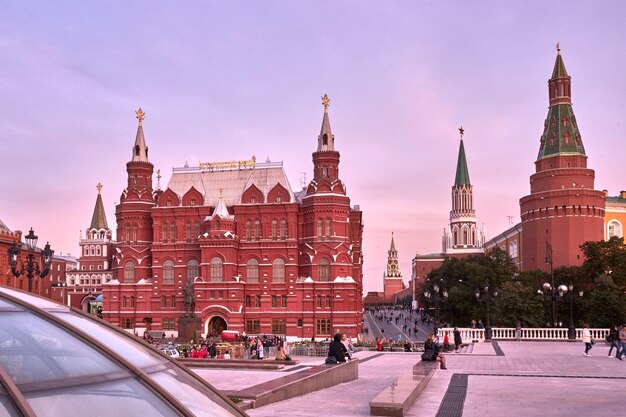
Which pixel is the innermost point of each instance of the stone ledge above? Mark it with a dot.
(299, 383)
(236, 363)
(396, 399)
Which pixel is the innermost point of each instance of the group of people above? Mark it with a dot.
(616, 337)
(340, 349)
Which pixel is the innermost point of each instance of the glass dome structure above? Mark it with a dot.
(58, 361)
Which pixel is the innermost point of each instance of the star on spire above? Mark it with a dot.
(99, 187)
(461, 131)
(326, 103)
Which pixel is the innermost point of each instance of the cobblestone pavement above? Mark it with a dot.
(532, 378)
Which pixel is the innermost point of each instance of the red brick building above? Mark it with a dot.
(263, 258)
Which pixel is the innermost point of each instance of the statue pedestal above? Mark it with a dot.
(188, 327)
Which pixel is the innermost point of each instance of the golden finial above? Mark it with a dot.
(140, 115)
(325, 102)
(99, 187)
(461, 131)
(221, 192)
(558, 48)
(158, 174)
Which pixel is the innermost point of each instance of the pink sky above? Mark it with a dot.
(228, 80)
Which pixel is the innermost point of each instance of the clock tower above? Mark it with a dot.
(392, 277)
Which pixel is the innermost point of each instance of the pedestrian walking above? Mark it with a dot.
(518, 331)
(613, 339)
(622, 341)
(587, 340)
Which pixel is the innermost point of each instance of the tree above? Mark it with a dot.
(605, 257)
(607, 304)
(518, 301)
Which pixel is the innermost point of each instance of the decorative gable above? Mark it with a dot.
(168, 198)
(252, 195)
(193, 197)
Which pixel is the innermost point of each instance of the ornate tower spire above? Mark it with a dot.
(99, 219)
(140, 150)
(560, 134)
(326, 140)
(463, 235)
(392, 278)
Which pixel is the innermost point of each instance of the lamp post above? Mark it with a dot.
(553, 295)
(436, 297)
(571, 331)
(30, 265)
(549, 260)
(486, 296)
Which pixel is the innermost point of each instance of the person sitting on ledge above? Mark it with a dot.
(432, 351)
(337, 349)
(227, 355)
(281, 355)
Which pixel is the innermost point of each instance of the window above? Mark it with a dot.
(135, 232)
(615, 229)
(164, 233)
(279, 326)
(124, 301)
(252, 271)
(193, 270)
(323, 270)
(98, 250)
(253, 326)
(188, 232)
(220, 294)
(169, 324)
(168, 272)
(274, 229)
(258, 231)
(128, 233)
(248, 301)
(132, 301)
(327, 228)
(173, 301)
(300, 322)
(249, 230)
(275, 300)
(319, 229)
(197, 232)
(257, 301)
(283, 301)
(163, 301)
(325, 171)
(329, 301)
(128, 323)
(173, 233)
(319, 301)
(323, 327)
(283, 229)
(129, 273)
(217, 270)
(92, 250)
(278, 270)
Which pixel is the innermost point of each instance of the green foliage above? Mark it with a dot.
(607, 304)
(518, 301)
(605, 257)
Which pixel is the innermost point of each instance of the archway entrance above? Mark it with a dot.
(215, 325)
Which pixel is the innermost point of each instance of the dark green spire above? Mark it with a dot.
(462, 174)
(560, 131)
(99, 218)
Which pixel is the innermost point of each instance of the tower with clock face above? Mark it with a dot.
(392, 277)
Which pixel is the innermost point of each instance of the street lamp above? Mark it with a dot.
(436, 297)
(571, 332)
(553, 295)
(30, 265)
(486, 296)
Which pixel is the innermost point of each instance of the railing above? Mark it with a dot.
(508, 333)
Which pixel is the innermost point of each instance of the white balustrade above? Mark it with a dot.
(469, 335)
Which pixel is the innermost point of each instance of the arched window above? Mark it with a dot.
(128, 233)
(252, 271)
(168, 272)
(129, 273)
(327, 228)
(217, 270)
(283, 229)
(274, 229)
(319, 229)
(193, 270)
(258, 230)
(323, 270)
(278, 270)
(92, 250)
(513, 249)
(86, 250)
(98, 250)
(197, 232)
(249, 230)
(164, 233)
(135, 233)
(615, 229)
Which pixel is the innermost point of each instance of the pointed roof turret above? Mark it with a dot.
(326, 140)
(140, 150)
(221, 210)
(99, 219)
(393, 244)
(462, 173)
(560, 134)
(559, 66)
